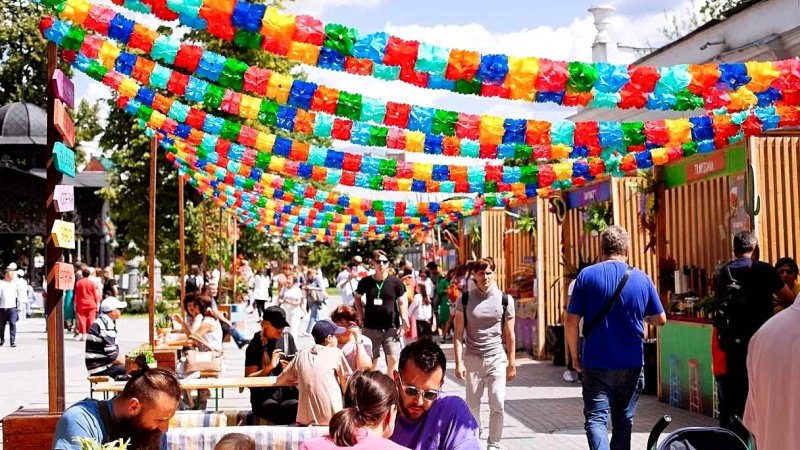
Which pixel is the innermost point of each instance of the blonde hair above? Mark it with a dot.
(236, 441)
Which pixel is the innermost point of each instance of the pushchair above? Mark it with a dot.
(698, 438)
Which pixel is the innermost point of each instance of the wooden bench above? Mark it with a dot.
(29, 429)
(95, 379)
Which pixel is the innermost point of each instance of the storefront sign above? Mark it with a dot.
(64, 197)
(708, 166)
(64, 89)
(63, 123)
(63, 234)
(596, 193)
(64, 159)
(723, 162)
(64, 274)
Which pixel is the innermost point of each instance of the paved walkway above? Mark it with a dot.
(542, 411)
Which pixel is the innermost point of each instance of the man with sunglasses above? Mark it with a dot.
(429, 420)
(381, 306)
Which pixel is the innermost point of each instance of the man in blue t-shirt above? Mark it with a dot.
(141, 414)
(427, 420)
(613, 353)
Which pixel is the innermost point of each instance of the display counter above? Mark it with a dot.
(685, 375)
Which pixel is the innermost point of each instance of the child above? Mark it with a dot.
(236, 441)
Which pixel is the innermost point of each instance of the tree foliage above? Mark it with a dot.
(682, 23)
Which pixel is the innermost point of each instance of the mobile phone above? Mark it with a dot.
(287, 357)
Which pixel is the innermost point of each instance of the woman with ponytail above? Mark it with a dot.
(367, 420)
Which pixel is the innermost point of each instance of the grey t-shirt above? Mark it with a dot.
(484, 332)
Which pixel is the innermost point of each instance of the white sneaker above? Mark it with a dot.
(570, 376)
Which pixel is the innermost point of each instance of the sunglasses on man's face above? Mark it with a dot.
(415, 392)
(382, 261)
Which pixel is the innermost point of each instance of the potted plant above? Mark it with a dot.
(91, 444)
(135, 358)
(164, 325)
(597, 217)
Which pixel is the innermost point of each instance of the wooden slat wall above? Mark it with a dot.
(549, 271)
(698, 225)
(776, 164)
(518, 246)
(493, 228)
(626, 215)
(578, 243)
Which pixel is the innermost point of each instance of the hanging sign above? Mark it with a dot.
(596, 193)
(64, 159)
(64, 275)
(63, 234)
(64, 89)
(64, 196)
(63, 123)
(705, 166)
(702, 169)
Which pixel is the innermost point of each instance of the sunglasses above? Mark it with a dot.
(415, 392)
(382, 261)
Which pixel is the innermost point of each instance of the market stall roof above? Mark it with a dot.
(23, 123)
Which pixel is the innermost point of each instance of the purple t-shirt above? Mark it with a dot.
(448, 425)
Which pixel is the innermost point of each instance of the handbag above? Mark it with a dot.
(203, 361)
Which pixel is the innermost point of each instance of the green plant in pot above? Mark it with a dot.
(136, 358)
(164, 325)
(91, 444)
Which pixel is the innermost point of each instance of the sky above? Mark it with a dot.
(561, 30)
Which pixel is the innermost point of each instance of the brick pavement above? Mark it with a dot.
(542, 411)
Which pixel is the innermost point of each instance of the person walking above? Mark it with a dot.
(615, 301)
(86, 303)
(744, 290)
(315, 296)
(484, 325)
(367, 420)
(290, 299)
(10, 297)
(421, 312)
(261, 296)
(381, 307)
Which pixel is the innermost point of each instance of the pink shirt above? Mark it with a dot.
(365, 441)
(773, 366)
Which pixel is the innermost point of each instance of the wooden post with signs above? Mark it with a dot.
(53, 255)
(151, 241)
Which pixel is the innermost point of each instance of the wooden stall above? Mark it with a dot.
(520, 269)
(493, 229)
(549, 270)
(703, 207)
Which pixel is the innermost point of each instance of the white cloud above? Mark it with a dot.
(317, 7)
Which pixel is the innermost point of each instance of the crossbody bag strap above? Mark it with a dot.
(587, 330)
(105, 416)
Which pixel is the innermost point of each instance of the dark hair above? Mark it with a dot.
(235, 441)
(146, 384)
(344, 313)
(203, 303)
(786, 261)
(352, 264)
(426, 354)
(744, 242)
(423, 291)
(369, 395)
(85, 270)
(378, 253)
(482, 264)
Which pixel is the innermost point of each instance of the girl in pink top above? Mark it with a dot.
(367, 420)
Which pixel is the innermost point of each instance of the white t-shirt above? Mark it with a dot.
(9, 294)
(421, 311)
(293, 295)
(261, 287)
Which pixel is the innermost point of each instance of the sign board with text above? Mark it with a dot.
(64, 159)
(64, 196)
(704, 166)
(64, 89)
(63, 234)
(64, 274)
(63, 123)
(595, 193)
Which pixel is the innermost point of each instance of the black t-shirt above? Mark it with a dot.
(254, 356)
(385, 313)
(760, 281)
(108, 288)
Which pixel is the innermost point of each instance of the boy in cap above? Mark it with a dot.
(102, 351)
(321, 374)
(266, 355)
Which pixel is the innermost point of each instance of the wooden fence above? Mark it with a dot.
(520, 248)
(493, 228)
(627, 213)
(549, 272)
(776, 163)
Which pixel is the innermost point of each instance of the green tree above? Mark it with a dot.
(680, 24)
(23, 70)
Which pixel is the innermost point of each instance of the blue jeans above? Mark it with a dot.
(313, 315)
(614, 391)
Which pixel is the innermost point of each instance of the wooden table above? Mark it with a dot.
(193, 384)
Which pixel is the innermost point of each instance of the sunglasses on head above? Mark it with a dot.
(415, 392)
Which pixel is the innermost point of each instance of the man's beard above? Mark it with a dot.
(140, 438)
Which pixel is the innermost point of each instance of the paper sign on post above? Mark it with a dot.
(64, 89)
(64, 196)
(63, 234)
(63, 123)
(64, 274)
(64, 159)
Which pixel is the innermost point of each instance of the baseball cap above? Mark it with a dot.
(276, 316)
(325, 328)
(12, 266)
(357, 259)
(111, 303)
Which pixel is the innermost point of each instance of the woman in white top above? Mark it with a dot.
(291, 300)
(261, 295)
(422, 310)
(203, 325)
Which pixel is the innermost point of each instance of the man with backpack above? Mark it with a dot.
(615, 300)
(744, 291)
(484, 329)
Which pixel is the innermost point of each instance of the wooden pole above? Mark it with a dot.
(234, 265)
(181, 239)
(53, 254)
(219, 247)
(205, 241)
(151, 240)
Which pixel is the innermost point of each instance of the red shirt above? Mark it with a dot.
(86, 295)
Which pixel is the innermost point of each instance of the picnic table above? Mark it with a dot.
(192, 384)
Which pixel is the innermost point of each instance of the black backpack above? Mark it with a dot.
(730, 312)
